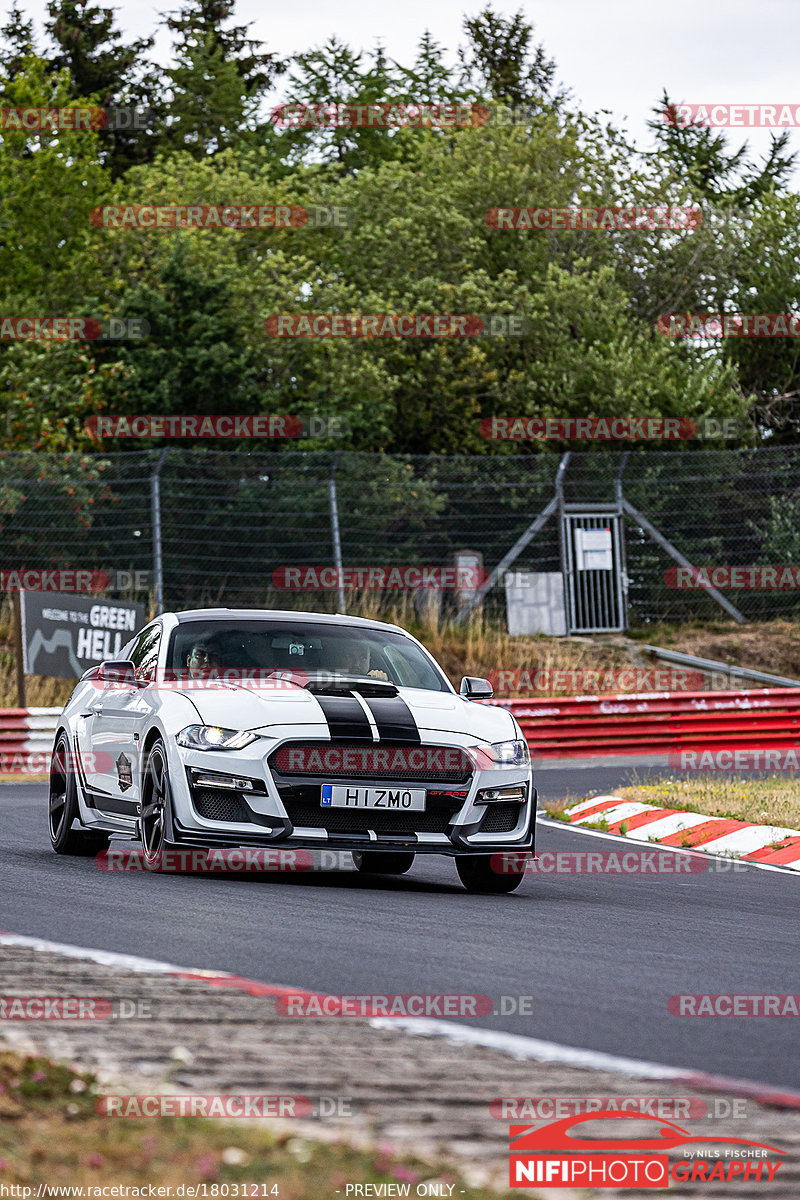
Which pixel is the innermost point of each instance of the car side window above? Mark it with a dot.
(144, 655)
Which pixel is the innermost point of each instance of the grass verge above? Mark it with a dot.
(773, 800)
(49, 1133)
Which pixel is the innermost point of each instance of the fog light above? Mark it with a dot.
(206, 779)
(513, 795)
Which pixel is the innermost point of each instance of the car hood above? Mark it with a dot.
(236, 706)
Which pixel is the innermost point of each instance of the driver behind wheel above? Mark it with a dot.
(355, 659)
(204, 660)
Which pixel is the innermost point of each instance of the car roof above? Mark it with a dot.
(250, 614)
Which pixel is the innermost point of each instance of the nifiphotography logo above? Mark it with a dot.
(551, 1155)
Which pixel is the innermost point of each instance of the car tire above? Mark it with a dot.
(477, 874)
(62, 807)
(375, 863)
(155, 820)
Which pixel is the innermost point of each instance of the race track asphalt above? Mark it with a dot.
(600, 955)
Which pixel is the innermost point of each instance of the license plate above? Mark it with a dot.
(335, 795)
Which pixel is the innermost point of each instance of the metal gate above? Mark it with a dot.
(593, 562)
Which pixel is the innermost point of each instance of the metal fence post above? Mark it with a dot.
(623, 554)
(337, 542)
(513, 554)
(681, 559)
(155, 509)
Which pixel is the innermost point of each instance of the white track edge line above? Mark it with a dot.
(515, 1044)
(105, 958)
(629, 841)
(522, 1046)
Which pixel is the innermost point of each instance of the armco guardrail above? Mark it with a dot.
(26, 738)
(555, 726)
(584, 726)
(712, 666)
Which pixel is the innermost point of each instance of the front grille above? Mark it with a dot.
(219, 804)
(302, 803)
(500, 818)
(332, 760)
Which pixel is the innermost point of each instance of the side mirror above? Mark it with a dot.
(120, 672)
(475, 689)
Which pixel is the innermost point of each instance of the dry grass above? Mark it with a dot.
(481, 646)
(472, 649)
(774, 800)
(49, 1134)
(772, 646)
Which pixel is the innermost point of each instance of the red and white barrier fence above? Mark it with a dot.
(555, 726)
(665, 723)
(26, 740)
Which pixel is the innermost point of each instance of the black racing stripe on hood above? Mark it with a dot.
(345, 716)
(394, 719)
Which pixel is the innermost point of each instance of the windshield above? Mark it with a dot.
(310, 649)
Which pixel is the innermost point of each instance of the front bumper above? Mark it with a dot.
(274, 810)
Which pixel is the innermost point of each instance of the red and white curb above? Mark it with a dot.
(517, 1045)
(770, 845)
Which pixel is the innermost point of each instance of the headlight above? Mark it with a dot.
(507, 754)
(211, 737)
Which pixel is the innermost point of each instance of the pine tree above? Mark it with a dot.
(433, 79)
(102, 66)
(17, 33)
(700, 155)
(501, 62)
(218, 80)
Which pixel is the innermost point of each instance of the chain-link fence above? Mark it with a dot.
(229, 521)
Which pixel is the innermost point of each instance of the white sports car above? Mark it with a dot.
(230, 727)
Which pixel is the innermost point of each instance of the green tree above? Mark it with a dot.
(116, 74)
(17, 33)
(50, 253)
(217, 80)
(700, 155)
(195, 357)
(325, 80)
(501, 62)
